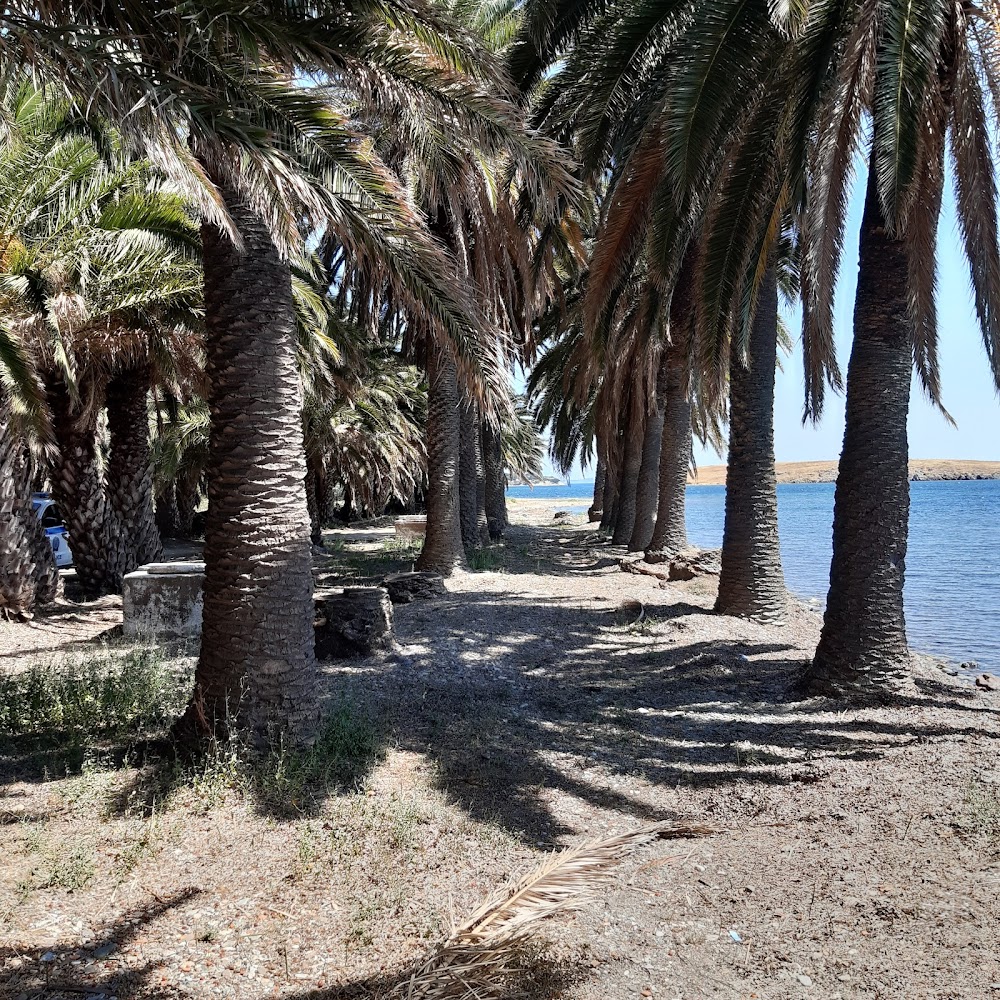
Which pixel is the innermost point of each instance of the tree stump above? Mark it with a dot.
(354, 622)
(419, 586)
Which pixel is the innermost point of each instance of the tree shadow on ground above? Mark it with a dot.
(31, 972)
(518, 697)
(536, 979)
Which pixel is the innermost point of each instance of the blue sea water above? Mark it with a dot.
(952, 565)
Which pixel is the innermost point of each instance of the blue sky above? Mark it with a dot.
(968, 389)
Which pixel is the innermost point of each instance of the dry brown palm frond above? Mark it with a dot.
(479, 957)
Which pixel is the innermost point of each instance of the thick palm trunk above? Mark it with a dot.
(596, 508)
(495, 481)
(78, 488)
(469, 475)
(167, 513)
(863, 643)
(628, 482)
(670, 533)
(442, 551)
(611, 480)
(647, 488)
(314, 467)
(28, 574)
(129, 475)
(752, 583)
(257, 663)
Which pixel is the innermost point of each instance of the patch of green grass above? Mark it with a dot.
(487, 559)
(108, 694)
(401, 548)
(63, 865)
(289, 781)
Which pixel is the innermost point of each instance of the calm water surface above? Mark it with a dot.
(952, 565)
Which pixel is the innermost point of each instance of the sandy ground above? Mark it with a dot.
(857, 852)
(826, 472)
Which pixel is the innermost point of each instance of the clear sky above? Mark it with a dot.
(968, 389)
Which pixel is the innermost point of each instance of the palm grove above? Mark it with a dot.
(286, 256)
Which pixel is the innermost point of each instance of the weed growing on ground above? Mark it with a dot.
(110, 693)
(982, 804)
(288, 781)
(487, 559)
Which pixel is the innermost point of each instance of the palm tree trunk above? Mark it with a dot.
(257, 634)
(469, 475)
(597, 507)
(862, 647)
(670, 533)
(314, 467)
(632, 462)
(79, 491)
(752, 584)
(496, 487)
(612, 478)
(482, 522)
(129, 475)
(647, 488)
(28, 574)
(442, 551)
(167, 513)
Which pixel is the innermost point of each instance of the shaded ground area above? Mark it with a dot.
(858, 852)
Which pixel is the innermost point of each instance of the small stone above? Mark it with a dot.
(49, 956)
(988, 682)
(105, 950)
(804, 979)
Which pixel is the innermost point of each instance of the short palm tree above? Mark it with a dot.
(98, 277)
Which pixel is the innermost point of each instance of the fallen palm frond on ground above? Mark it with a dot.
(479, 957)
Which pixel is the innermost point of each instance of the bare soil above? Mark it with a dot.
(857, 852)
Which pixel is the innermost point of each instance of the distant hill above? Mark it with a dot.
(826, 472)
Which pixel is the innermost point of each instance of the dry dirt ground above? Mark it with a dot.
(857, 852)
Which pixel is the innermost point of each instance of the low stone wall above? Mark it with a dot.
(163, 599)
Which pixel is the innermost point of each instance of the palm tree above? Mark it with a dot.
(98, 276)
(927, 77)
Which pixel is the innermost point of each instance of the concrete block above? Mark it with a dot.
(411, 526)
(163, 599)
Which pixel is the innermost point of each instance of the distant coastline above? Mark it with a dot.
(826, 472)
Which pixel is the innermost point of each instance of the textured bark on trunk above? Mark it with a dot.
(670, 533)
(78, 489)
(28, 574)
(442, 551)
(167, 514)
(314, 466)
(596, 509)
(631, 464)
(257, 665)
(129, 475)
(862, 647)
(496, 486)
(469, 475)
(647, 488)
(752, 583)
(610, 512)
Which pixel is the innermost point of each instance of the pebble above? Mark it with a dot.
(803, 979)
(105, 950)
